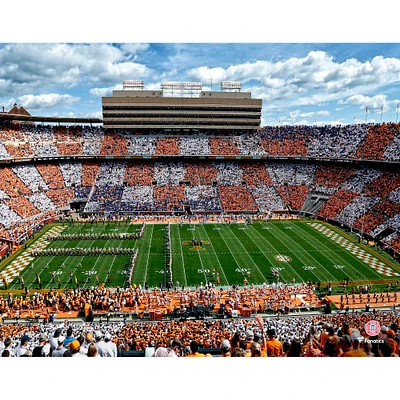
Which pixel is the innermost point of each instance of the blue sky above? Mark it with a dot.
(299, 83)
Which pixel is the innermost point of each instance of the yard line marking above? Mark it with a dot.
(201, 261)
(294, 253)
(344, 261)
(209, 239)
(275, 252)
(80, 258)
(148, 254)
(113, 262)
(248, 255)
(24, 259)
(233, 254)
(265, 279)
(43, 244)
(312, 257)
(360, 253)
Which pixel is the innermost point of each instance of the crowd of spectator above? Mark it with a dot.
(366, 141)
(50, 174)
(203, 198)
(72, 174)
(3, 152)
(358, 197)
(336, 335)
(113, 145)
(224, 146)
(392, 152)
(377, 139)
(354, 210)
(167, 146)
(137, 146)
(92, 139)
(210, 186)
(191, 146)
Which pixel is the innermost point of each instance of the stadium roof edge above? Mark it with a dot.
(28, 118)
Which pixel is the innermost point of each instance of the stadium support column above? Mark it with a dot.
(168, 257)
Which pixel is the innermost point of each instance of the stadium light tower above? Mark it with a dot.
(132, 85)
(182, 88)
(231, 86)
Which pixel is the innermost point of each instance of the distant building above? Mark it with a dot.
(19, 111)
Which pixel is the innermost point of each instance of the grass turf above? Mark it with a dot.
(296, 249)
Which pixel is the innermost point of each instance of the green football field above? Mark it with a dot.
(299, 250)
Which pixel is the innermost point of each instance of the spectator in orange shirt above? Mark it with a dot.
(194, 348)
(356, 340)
(249, 339)
(391, 339)
(274, 346)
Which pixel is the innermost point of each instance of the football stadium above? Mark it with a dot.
(178, 225)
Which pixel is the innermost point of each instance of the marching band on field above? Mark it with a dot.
(81, 251)
(94, 236)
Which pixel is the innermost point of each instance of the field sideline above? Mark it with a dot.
(299, 250)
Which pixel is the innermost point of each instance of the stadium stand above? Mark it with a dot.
(290, 173)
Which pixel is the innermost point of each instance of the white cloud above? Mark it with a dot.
(310, 80)
(32, 102)
(26, 67)
(297, 117)
(298, 113)
(94, 114)
(107, 91)
(374, 103)
(134, 48)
